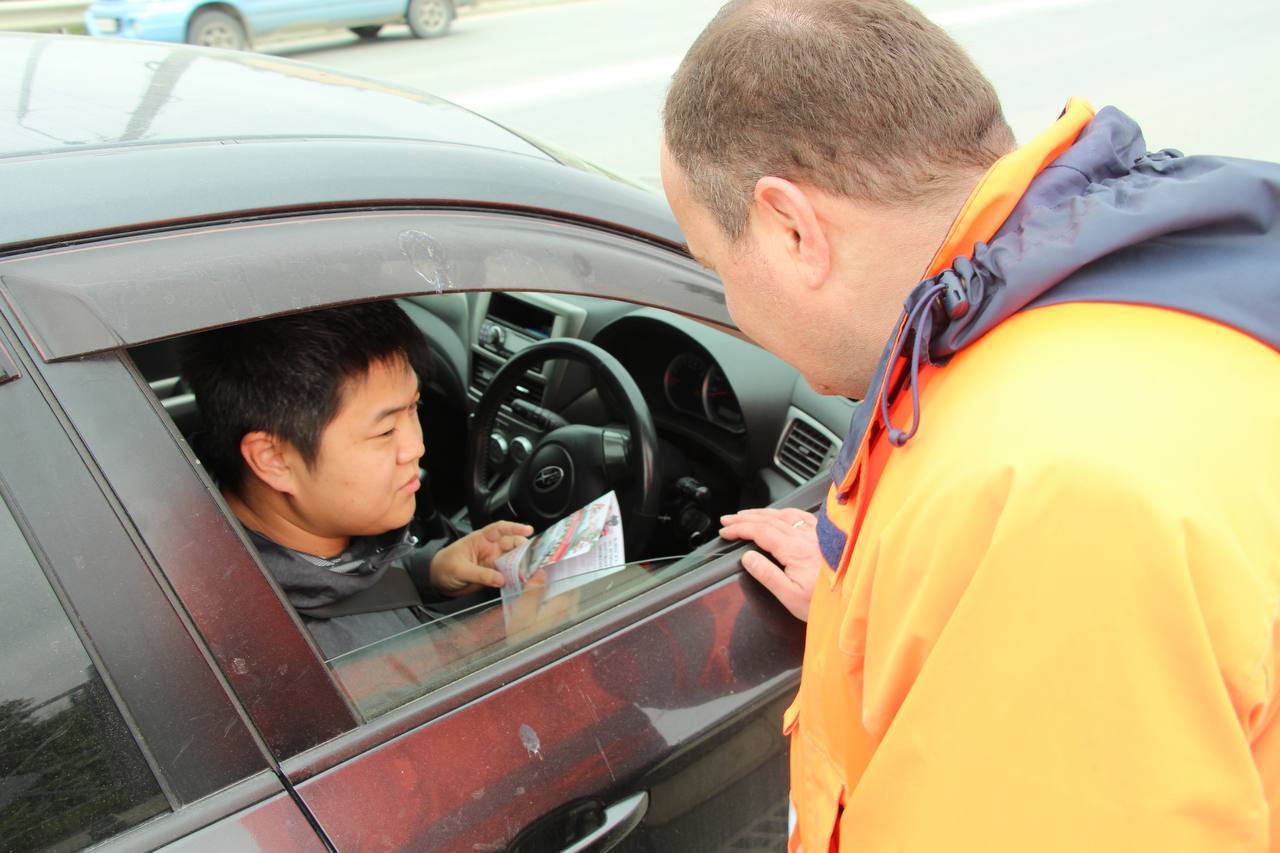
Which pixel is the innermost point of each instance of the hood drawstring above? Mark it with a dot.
(940, 300)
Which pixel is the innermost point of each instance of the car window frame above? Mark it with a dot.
(47, 284)
(97, 296)
(166, 706)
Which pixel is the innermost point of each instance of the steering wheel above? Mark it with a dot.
(571, 464)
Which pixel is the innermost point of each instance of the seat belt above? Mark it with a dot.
(392, 591)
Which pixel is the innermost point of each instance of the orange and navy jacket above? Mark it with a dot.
(1051, 619)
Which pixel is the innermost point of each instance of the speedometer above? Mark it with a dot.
(683, 381)
(719, 403)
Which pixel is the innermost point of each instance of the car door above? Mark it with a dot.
(650, 718)
(115, 729)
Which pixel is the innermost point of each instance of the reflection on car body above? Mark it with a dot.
(650, 714)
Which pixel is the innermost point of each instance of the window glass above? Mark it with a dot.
(387, 673)
(70, 772)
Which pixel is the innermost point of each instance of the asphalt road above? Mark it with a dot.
(589, 75)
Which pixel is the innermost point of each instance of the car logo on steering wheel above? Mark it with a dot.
(548, 478)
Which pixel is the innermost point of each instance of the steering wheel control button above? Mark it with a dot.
(498, 448)
(551, 481)
(521, 449)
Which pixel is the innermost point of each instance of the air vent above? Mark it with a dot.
(482, 376)
(529, 388)
(805, 450)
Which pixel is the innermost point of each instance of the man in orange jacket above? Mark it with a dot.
(1043, 593)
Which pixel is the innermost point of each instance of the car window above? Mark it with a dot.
(384, 656)
(385, 674)
(70, 771)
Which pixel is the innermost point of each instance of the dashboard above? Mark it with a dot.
(732, 418)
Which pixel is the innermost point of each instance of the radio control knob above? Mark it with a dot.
(496, 337)
(498, 448)
(521, 449)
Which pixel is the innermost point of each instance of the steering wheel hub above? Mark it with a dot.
(551, 481)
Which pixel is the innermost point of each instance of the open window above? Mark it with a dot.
(699, 467)
(483, 288)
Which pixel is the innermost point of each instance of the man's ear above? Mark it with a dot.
(269, 460)
(787, 215)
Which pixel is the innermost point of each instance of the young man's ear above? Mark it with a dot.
(268, 460)
(788, 217)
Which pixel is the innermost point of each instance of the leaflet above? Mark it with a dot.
(578, 548)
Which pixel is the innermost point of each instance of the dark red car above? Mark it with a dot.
(155, 686)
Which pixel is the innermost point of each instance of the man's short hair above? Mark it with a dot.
(866, 99)
(286, 376)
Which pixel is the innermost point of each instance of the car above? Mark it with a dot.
(156, 688)
(235, 24)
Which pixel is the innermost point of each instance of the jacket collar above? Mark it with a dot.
(310, 581)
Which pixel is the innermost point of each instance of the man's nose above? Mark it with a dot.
(413, 447)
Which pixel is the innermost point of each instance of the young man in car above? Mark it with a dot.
(1043, 593)
(310, 426)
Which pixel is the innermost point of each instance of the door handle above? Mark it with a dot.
(583, 826)
(619, 819)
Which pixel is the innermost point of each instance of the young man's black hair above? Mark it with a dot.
(286, 375)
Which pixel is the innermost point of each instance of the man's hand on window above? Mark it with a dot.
(791, 537)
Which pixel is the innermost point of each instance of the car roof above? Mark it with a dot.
(102, 135)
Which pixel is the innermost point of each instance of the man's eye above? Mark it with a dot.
(388, 433)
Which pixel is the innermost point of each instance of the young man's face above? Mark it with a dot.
(364, 480)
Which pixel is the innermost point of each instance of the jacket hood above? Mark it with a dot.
(1105, 222)
(1109, 222)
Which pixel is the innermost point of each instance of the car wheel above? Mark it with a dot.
(369, 32)
(429, 19)
(212, 28)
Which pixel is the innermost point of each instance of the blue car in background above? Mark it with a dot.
(235, 24)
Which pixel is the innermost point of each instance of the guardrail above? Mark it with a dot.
(42, 16)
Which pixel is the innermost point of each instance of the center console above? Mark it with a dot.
(503, 325)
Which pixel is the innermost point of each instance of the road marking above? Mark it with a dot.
(598, 80)
(564, 86)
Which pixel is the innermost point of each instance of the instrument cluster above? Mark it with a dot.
(695, 385)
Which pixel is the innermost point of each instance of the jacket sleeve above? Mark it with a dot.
(1073, 688)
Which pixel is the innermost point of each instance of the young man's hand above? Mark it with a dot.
(791, 536)
(467, 565)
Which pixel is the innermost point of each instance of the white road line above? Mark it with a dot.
(596, 80)
(585, 82)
